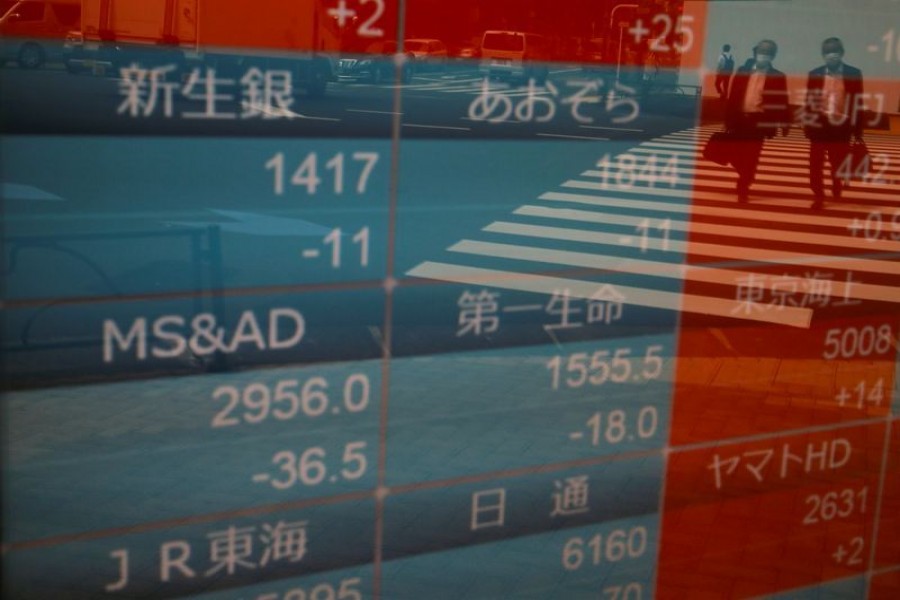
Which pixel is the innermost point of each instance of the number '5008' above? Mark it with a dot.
(858, 341)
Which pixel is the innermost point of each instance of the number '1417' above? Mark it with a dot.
(306, 175)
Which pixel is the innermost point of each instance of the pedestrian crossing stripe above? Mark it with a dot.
(886, 188)
(779, 195)
(780, 200)
(686, 193)
(797, 145)
(752, 212)
(874, 142)
(726, 251)
(801, 168)
(686, 149)
(883, 157)
(880, 158)
(731, 231)
(651, 268)
(697, 156)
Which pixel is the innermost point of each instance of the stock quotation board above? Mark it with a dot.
(471, 299)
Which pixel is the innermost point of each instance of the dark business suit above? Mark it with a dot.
(751, 128)
(831, 136)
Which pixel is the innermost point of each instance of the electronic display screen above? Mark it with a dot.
(470, 299)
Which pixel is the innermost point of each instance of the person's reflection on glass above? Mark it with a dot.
(757, 107)
(724, 71)
(833, 114)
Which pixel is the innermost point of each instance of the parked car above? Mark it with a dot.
(595, 51)
(426, 53)
(596, 59)
(376, 66)
(32, 31)
(190, 34)
(515, 55)
(463, 50)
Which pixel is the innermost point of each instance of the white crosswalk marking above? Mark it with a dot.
(650, 231)
(726, 251)
(750, 232)
(658, 269)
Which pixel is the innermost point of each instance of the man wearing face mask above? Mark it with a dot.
(757, 108)
(834, 114)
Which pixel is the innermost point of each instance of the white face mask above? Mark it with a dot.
(764, 60)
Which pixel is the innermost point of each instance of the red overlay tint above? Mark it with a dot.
(753, 518)
(283, 25)
(888, 552)
(885, 586)
(641, 34)
(752, 379)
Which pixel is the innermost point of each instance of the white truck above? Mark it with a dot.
(293, 35)
(32, 31)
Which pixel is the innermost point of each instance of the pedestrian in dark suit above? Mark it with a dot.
(756, 109)
(833, 114)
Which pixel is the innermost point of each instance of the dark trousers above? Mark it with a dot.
(749, 137)
(832, 142)
(722, 84)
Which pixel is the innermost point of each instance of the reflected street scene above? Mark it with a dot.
(402, 299)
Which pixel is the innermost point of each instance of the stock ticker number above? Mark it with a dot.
(607, 548)
(854, 342)
(336, 256)
(629, 171)
(314, 466)
(628, 591)
(859, 342)
(611, 547)
(285, 400)
(581, 368)
(615, 426)
(872, 169)
(873, 227)
(306, 175)
(347, 590)
(839, 504)
(891, 46)
(344, 16)
(663, 27)
(861, 395)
